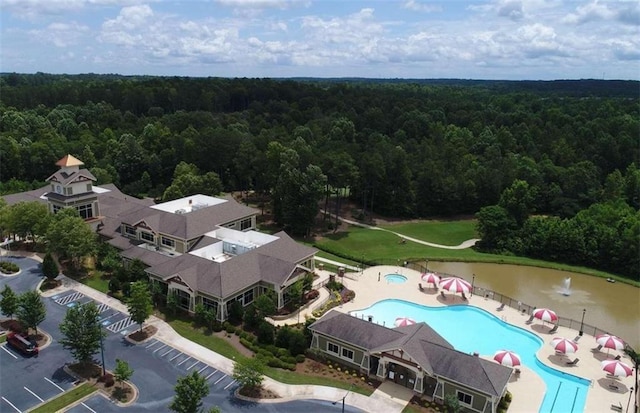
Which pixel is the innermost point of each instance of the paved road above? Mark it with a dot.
(26, 382)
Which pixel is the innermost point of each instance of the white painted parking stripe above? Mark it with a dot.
(89, 408)
(204, 368)
(11, 404)
(152, 344)
(220, 379)
(176, 356)
(35, 395)
(229, 385)
(10, 353)
(167, 352)
(197, 362)
(61, 389)
(180, 364)
(214, 372)
(159, 348)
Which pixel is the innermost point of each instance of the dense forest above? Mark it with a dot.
(401, 148)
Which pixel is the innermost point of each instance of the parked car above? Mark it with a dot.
(22, 344)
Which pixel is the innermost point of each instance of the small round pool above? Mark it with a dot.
(395, 278)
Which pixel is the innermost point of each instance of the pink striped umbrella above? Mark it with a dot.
(455, 285)
(430, 278)
(616, 368)
(564, 345)
(507, 358)
(404, 321)
(545, 314)
(610, 342)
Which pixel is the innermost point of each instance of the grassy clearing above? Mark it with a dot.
(224, 348)
(439, 232)
(66, 399)
(3, 338)
(97, 281)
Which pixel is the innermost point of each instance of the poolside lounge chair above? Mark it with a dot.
(575, 340)
(530, 320)
(614, 387)
(554, 329)
(444, 297)
(464, 297)
(573, 363)
(618, 357)
(617, 407)
(420, 287)
(597, 348)
(501, 307)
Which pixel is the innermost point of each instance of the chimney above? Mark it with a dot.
(190, 202)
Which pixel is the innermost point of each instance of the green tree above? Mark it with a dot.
(28, 219)
(451, 403)
(10, 302)
(265, 332)
(517, 200)
(205, 316)
(265, 305)
(49, 267)
(172, 303)
(235, 312)
(31, 311)
(140, 303)
(249, 372)
(81, 332)
(123, 371)
(69, 236)
(190, 390)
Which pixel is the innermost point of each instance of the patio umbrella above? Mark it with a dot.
(610, 342)
(455, 285)
(507, 358)
(404, 321)
(564, 345)
(616, 368)
(430, 278)
(545, 314)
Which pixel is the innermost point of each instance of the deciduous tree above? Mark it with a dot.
(82, 332)
(10, 302)
(190, 390)
(31, 311)
(140, 303)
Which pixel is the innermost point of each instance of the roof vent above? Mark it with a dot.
(197, 206)
(181, 211)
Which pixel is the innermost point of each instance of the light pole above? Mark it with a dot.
(629, 402)
(584, 310)
(473, 281)
(345, 396)
(101, 346)
(426, 264)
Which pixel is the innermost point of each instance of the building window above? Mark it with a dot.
(333, 348)
(68, 191)
(89, 188)
(210, 304)
(130, 231)
(347, 354)
(85, 211)
(248, 297)
(465, 398)
(245, 224)
(147, 236)
(168, 242)
(56, 208)
(184, 299)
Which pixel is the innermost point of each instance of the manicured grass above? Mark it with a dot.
(66, 398)
(96, 281)
(439, 232)
(3, 338)
(222, 347)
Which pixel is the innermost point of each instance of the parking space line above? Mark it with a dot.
(159, 348)
(152, 344)
(197, 362)
(89, 408)
(180, 364)
(220, 379)
(11, 404)
(214, 372)
(176, 356)
(229, 385)
(167, 352)
(35, 395)
(61, 389)
(10, 353)
(204, 368)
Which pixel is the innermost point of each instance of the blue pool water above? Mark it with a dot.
(470, 329)
(395, 278)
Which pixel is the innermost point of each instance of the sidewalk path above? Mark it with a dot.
(466, 244)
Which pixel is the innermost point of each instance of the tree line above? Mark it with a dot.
(408, 149)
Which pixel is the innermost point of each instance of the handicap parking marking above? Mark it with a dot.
(11, 404)
(102, 307)
(121, 324)
(69, 298)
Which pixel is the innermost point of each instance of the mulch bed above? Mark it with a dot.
(259, 393)
(122, 392)
(141, 335)
(14, 325)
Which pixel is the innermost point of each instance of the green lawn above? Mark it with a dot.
(96, 281)
(3, 338)
(66, 399)
(439, 232)
(222, 347)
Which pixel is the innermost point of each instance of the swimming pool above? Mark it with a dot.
(395, 278)
(471, 329)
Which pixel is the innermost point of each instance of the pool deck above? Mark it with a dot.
(528, 389)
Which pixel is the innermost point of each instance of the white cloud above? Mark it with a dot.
(61, 34)
(421, 7)
(593, 11)
(35, 9)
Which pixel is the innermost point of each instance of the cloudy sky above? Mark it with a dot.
(495, 39)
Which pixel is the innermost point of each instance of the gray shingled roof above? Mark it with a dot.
(423, 344)
(28, 196)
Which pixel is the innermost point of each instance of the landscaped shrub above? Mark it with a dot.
(8, 267)
(230, 329)
(274, 362)
(311, 295)
(107, 379)
(265, 333)
(235, 312)
(335, 286)
(300, 358)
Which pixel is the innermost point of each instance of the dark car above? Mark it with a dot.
(22, 344)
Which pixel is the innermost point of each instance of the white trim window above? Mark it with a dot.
(333, 348)
(347, 353)
(245, 224)
(130, 231)
(147, 236)
(167, 242)
(464, 398)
